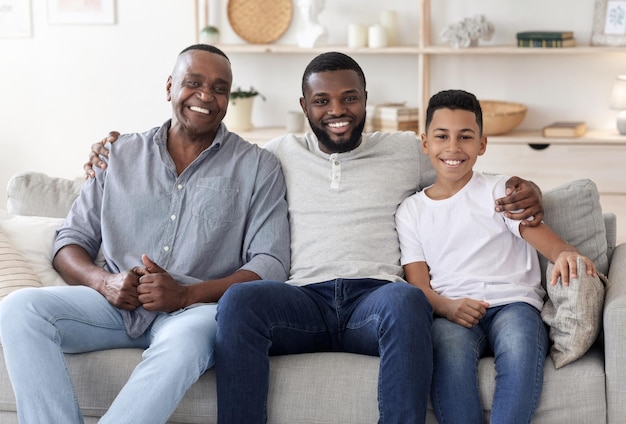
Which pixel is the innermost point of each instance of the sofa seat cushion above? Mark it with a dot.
(314, 388)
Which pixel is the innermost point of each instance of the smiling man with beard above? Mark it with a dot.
(190, 196)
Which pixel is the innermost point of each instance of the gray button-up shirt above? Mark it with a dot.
(227, 211)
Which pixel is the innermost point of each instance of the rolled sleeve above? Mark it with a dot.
(267, 239)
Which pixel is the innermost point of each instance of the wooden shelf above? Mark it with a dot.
(416, 50)
(291, 49)
(596, 137)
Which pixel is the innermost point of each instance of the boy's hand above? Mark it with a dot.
(466, 312)
(523, 201)
(565, 267)
(98, 149)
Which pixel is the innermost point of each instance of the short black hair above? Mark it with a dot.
(207, 48)
(455, 99)
(331, 61)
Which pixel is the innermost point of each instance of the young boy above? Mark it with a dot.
(479, 271)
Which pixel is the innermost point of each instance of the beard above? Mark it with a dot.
(351, 143)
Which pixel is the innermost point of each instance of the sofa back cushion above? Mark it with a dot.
(37, 194)
(573, 211)
(15, 271)
(32, 237)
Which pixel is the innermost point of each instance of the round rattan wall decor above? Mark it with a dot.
(260, 21)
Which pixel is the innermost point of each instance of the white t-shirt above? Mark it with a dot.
(471, 250)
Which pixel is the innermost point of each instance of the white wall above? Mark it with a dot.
(68, 85)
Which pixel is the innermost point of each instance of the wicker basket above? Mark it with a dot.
(501, 117)
(260, 21)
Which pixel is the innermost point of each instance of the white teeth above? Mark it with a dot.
(199, 109)
(452, 162)
(338, 124)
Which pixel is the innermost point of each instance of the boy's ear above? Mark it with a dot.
(424, 144)
(483, 145)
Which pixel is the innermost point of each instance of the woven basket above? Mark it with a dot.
(260, 21)
(501, 117)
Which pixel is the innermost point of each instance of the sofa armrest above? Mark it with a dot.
(614, 340)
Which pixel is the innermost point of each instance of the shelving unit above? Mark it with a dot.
(424, 50)
(597, 155)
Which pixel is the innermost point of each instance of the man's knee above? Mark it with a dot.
(242, 298)
(16, 306)
(408, 301)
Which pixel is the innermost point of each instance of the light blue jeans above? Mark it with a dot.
(38, 325)
(518, 339)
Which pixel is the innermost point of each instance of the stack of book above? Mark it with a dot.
(395, 117)
(565, 129)
(546, 39)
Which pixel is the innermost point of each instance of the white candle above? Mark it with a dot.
(389, 20)
(357, 35)
(377, 36)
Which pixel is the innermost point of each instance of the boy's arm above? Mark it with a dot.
(556, 250)
(465, 312)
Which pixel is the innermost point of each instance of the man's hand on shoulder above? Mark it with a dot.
(523, 201)
(97, 150)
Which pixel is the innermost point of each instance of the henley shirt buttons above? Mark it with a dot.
(166, 248)
(336, 163)
(179, 186)
(173, 217)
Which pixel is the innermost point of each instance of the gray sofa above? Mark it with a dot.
(342, 388)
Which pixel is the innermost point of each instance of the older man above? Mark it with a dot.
(190, 196)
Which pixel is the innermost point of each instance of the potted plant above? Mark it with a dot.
(239, 114)
(239, 93)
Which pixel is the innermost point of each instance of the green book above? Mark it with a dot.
(545, 35)
(568, 42)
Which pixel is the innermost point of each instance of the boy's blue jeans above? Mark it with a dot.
(518, 339)
(37, 325)
(366, 316)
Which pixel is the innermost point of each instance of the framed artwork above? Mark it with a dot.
(81, 11)
(609, 23)
(15, 19)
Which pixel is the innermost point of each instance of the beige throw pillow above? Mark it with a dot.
(574, 314)
(15, 272)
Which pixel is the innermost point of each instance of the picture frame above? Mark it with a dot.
(609, 23)
(15, 18)
(81, 11)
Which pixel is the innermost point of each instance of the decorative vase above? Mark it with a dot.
(239, 114)
(210, 35)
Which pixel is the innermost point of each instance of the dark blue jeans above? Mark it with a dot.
(365, 316)
(518, 339)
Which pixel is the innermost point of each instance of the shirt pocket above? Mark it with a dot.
(214, 199)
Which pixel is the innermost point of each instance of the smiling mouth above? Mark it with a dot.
(338, 124)
(451, 162)
(199, 109)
